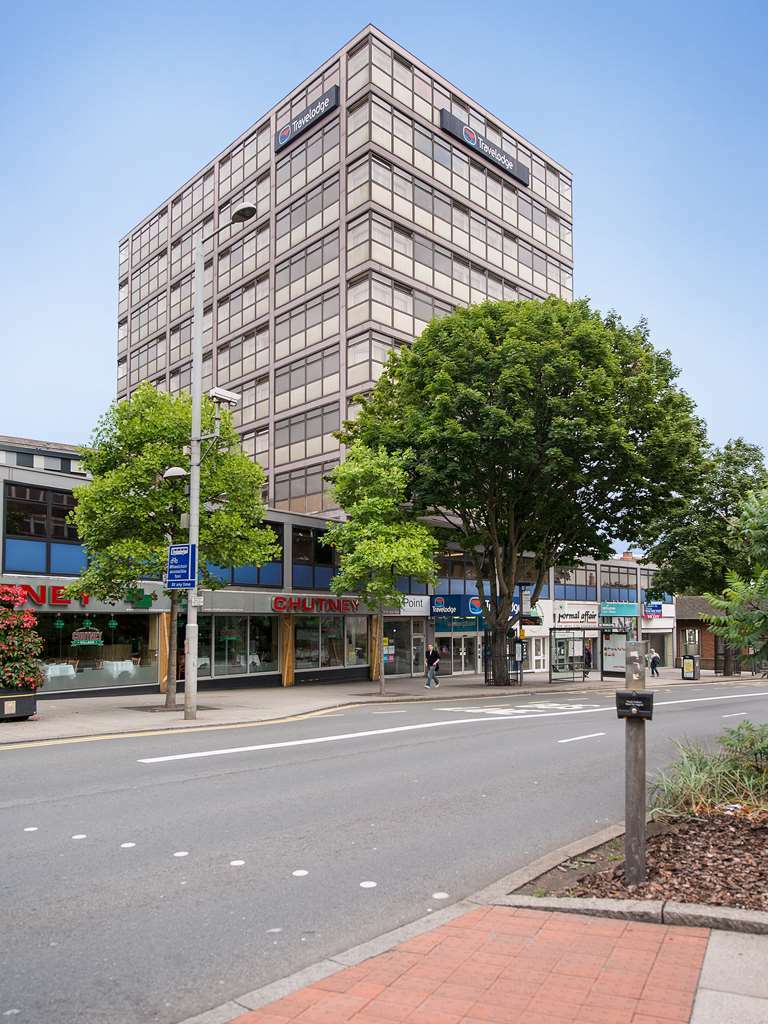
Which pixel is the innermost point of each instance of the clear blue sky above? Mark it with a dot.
(657, 108)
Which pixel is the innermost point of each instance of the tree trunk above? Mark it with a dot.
(170, 693)
(499, 662)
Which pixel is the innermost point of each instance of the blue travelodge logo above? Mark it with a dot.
(475, 606)
(307, 118)
(285, 134)
(438, 602)
(470, 135)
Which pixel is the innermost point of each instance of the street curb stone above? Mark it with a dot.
(632, 910)
(699, 915)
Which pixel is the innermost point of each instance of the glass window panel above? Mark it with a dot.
(307, 641)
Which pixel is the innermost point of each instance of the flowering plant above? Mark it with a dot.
(20, 645)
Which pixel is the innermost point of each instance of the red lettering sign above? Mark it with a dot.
(36, 596)
(308, 605)
(49, 595)
(57, 595)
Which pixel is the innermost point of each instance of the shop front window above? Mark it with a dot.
(230, 645)
(357, 640)
(332, 641)
(262, 643)
(307, 641)
(91, 651)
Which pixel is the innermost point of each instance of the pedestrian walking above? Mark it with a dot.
(655, 662)
(432, 665)
(587, 660)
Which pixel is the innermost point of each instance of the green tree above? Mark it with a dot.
(127, 514)
(536, 427)
(743, 601)
(695, 541)
(379, 540)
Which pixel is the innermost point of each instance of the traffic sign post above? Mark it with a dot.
(181, 572)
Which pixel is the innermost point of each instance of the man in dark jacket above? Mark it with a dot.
(432, 664)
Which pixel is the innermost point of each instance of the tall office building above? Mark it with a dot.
(385, 197)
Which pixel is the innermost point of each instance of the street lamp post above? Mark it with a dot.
(241, 214)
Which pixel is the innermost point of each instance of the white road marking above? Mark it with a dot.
(421, 726)
(389, 712)
(127, 846)
(368, 885)
(300, 873)
(181, 853)
(273, 931)
(31, 828)
(589, 736)
(80, 835)
(440, 896)
(236, 863)
(735, 714)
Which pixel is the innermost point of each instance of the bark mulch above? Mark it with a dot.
(719, 858)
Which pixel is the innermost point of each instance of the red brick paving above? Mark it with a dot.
(501, 965)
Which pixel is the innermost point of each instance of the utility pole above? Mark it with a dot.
(637, 708)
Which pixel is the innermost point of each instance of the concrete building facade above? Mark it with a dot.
(385, 196)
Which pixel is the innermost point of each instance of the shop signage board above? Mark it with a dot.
(311, 605)
(618, 609)
(472, 138)
(181, 572)
(415, 604)
(568, 613)
(455, 604)
(652, 610)
(308, 117)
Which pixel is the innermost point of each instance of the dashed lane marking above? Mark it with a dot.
(589, 736)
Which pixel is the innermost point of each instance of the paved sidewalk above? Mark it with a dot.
(69, 717)
(512, 966)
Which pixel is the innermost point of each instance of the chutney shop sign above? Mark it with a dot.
(313, 113)
(87, 636)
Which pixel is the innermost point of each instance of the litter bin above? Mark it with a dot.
(691, 666)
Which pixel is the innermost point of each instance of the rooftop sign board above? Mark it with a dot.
(472, 138)
(311, 115)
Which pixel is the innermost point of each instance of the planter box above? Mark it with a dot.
(17, 704)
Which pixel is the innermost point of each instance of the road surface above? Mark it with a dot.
(148, 878)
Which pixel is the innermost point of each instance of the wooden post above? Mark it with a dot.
(634, 803)
(287, 650)
(374, 647)
(634, 784)
(163, 628)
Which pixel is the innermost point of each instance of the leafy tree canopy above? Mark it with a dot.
(379, 541)
(539, 427)
(703, 535)
(127, 514)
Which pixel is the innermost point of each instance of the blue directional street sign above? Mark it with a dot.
(181, 573)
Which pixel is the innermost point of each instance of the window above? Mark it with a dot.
(307, 435)
(244, 305)
(577, 583)
(367, 355)
(254, 402)
(149, 318)
(244, 256)
(194, 200)
(377, 298)
(308, 269)
(268, 575)
(245, 159)
(123, 259)
(313, 561)
(255, 444)
(305, 490)
(122, 337)
(38, 538)
(316, 210)
(304, 97)
(148, 360)
(304, 163)
(315, 377)
(618, 583)
(257, 193)
(25, 459)
(181, 378)
(149, 237)
(181, 337)
(646, 584)
(183, 249)
(149, 278)
(330, 641)
(243, 355)
(307, 325)
(183, 292)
